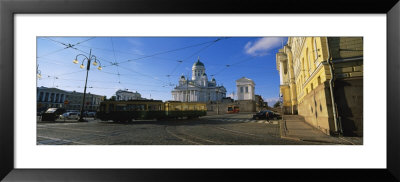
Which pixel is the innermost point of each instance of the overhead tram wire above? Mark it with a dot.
(68, 45)
(50, 53)
(98, 81)
(84, 41)
(123, 52)
(195, 53)
(165, 52)
(144, 75)
(115, 60)
(98, 58)
(67, 73)
(233, 64)
(64, 44)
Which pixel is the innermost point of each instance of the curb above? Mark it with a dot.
(283, 129)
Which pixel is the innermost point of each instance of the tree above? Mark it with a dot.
(277, 104)
(112, 98)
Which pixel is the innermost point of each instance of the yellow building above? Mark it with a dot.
(318, 71)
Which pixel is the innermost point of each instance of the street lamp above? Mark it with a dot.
(88, 59)
(38, 72)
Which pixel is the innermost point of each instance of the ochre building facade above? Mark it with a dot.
(321, 79)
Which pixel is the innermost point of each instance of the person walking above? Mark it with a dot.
(267, 115)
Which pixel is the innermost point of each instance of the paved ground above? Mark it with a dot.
(294, 127)
(228, 129)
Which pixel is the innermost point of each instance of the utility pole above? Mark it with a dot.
(84, 91)
(88, 59)
(187, 89)
(217, 92)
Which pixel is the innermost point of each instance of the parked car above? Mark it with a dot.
(266, 114)
(39, 113)
(70, 115)
(91, 114)
(52, 114)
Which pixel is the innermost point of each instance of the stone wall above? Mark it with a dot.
(349, 101)
(316, 108)
(222, 108)
(345, 47)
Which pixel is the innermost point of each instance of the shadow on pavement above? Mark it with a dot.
(187, 122)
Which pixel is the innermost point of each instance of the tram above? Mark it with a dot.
(122, 111)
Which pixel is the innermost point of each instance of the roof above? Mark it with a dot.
(198, 63)
(245, 80)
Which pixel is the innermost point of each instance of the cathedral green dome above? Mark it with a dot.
(198, 63)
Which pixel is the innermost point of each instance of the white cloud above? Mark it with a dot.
(271, 101)
(262, 46)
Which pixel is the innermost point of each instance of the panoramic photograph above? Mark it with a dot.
(199, 90)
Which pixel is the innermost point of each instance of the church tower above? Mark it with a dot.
(198, 70)
(245, 89)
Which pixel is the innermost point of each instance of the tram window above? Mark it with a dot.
(137, 107)
(153, 107)
(185, 108)
(102, 107)
(111, 107)
(121, 108)
(131, 107)
(177, 108)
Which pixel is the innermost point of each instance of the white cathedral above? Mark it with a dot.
(198, 89)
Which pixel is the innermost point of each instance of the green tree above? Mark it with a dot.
(277, 104)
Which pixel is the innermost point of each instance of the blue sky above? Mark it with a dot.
(152, 65)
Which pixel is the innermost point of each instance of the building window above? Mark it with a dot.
(247, 89)
(46, 98)
(312, 86)
(241, 89)
(315, 49)
(319, 80)
(40, 96)
(52, 97)
(308, 60)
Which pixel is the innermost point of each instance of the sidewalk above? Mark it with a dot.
(294, 127)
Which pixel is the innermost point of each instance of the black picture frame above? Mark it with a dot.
(9, 8)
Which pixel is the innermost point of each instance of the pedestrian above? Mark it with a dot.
(267, 116)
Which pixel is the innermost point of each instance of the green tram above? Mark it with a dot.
(122, 111)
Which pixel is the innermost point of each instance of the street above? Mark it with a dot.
(227, 129)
